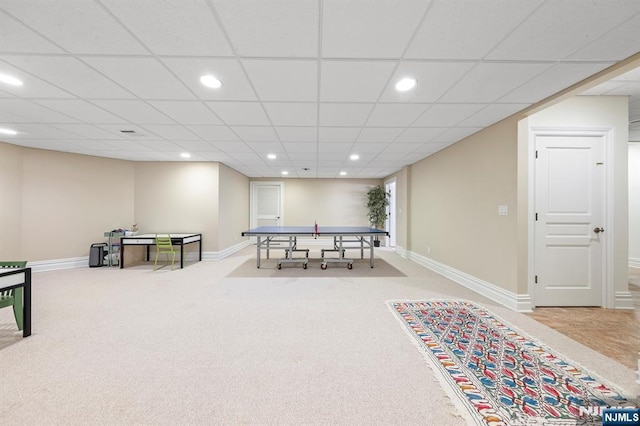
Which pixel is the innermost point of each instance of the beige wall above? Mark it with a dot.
(598, 112)
(10, 202)
(453, 209)
(178, 197)
(634, 204)
(234, 207)
(69, 201)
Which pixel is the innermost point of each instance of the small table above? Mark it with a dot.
(150, 240)
(12, 278)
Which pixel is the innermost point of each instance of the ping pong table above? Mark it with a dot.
(269, 237)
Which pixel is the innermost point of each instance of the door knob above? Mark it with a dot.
(598, 230)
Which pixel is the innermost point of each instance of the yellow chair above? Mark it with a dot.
(164, 246)
(13, 297)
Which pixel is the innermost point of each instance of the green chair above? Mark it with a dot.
(13, 297)
(164, 246)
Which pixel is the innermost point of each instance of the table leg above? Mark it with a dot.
(26, 309)
(121, 255)
(371, 250)
(182, 255)
(258, 249)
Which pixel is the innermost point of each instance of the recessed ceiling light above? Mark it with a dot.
(185, 155)
(8, 131)
(271, 156)
(10, 80)
(343, 173)
(210, 81)
(354, 156)
(284, 172)
(406, 84)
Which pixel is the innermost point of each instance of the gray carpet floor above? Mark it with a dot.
(198, 346)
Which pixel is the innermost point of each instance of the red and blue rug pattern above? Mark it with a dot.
(500, 375)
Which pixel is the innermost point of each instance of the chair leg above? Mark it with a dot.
(17, 307)
(173, 260)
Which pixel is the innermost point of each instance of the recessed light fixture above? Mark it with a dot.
(210, 81)
(284, 173)
(8, 131)
(271, 156)
(4, 78)
(185, 155)
(405, 84)
(343, 173)
(354, 156)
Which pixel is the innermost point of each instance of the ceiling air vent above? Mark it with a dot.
(132, 133)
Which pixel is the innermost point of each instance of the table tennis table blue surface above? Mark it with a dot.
(311, 230)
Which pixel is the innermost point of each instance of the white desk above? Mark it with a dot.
(149, 240)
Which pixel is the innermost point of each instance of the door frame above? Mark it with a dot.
(252, 200)
(607, 133)
(391, 224)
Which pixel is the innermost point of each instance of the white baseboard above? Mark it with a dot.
(634, 262)
(219, 255)
(623, 300)
(516, 302)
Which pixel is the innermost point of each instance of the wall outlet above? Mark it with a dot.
(503, 210)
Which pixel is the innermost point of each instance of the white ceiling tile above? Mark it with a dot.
(216, 156)
(365, 29)
(392, 115)
(368, 148)
(308, 157)
(420, 134)
(447, 115)
(144, 77)
(282, 28)
(214, 133)
(187, 112)
(81, 110)
(87, 131)
(487, 82)
(339, 134)
(297, 134)
(349, 81)
(157, 23)
(139, 134)
(626, 89)
(264, 148)
(171, 132)
(379, 134)
(134, 111)
(292, 147)
(71, 74)
(400, 148)
(350, 115)
(231, 146)
(549, 33)
(17, 37)
(617, 44)
(197, 146)
(166, 146)
(33, 111)
(292, 113)
(85, 29)
(451, 29)
(455, 134)
(240, 113)
(9, 117)
(32, 87)
(551, 81)
(492, 114)
(336, 147)
(283, 80)
(235, 85)
(39, 131)
(434, 79)
(255, 134)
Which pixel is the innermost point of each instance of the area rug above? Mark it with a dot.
(499, 375)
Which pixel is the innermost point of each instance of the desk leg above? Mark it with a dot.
(26, 309)
(258, 249)
(200, 247)
(181, 256)
(121, 255)
(371, 250)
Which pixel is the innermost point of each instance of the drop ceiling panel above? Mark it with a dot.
(171, 132)
(292, 148)
(87, 131)
(455, 134)
(165, 146)
(337, 147)
(619, 43)
(283, 80)
(368, 148)
(447, 115)
(368, 29)
(33, 87)
(157, 23)
(276, 29)
(264, 148)
(134, 111)
(27, 131)
(138, 134)
(197, 146)
(492, 114)
(214, 133)
(379, 134)
(81, 111)
(402, 148)
(231, 147)
(292, 113)
(240, 113)
(144, 77)
(187, 112)
(235, 85)
(349, 115)
(463, 22)
(339, 134)
(359, 81)
(255, 134)
(420, 134)
(487, 82)
(17, 37)
(297, 134)
(87, 29)
(395, 115)
(71, 74)
(34, 112)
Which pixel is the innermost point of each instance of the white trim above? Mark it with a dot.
(219, 255)
(253, 205)
(623, 300)
(55, 264)
(516, 302)
(634, 262)
(608, 296)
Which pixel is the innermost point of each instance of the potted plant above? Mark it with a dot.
(377, 203)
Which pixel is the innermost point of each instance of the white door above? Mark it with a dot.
(266, 204)
(569, 205)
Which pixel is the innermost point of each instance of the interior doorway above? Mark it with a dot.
(390, 223)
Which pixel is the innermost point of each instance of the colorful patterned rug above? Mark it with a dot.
(500, 375)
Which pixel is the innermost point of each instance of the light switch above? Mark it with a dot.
(503, 210)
